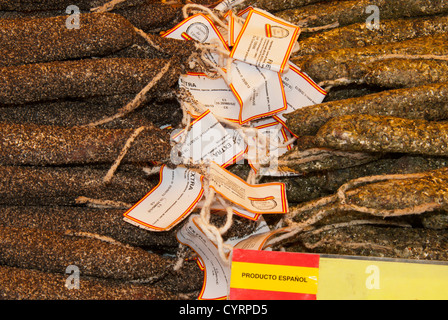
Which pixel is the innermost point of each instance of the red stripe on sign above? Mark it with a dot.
(277, 257)
(247, 294)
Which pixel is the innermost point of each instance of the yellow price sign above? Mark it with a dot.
(381, 279)
(286, 275)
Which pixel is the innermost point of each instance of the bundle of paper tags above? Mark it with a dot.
(235, 114)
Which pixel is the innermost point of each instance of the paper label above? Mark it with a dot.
(200, 28)
(178, 192)
(208, 140)
(259, 198)
(214, 94)
(265, 41)
(273, 275)
(300, 91)
(259, 91)
(217, 273)
(245, 214)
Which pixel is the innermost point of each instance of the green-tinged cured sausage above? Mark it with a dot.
(397, 199)
(342, 13)
(384, 195)
(429, 102)
(377, 241)
(318, 159)
(352, 64)
(359, 35)
(317, 184)
(367, 133)
(392, 72)
(437, 220)
(407, 72)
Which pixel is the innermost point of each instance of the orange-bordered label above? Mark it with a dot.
(285, 30)
(214, 94)
(178, 31)
(216, 274)
(243, 119)
(231, 187)
(227, 158)
(139, 213)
